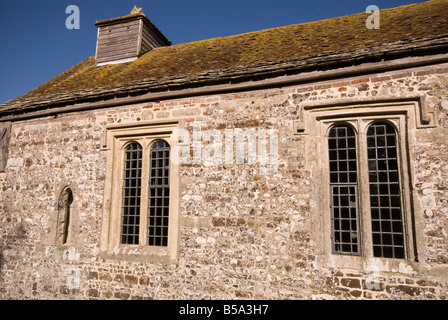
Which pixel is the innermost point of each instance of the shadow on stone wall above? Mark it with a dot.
(9, 243)
(2, 260)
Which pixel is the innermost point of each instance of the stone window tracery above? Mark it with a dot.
(372, 216)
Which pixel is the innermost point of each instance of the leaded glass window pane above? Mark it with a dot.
(159, 197)
(132, 195)
(384, 187)
(344, 191)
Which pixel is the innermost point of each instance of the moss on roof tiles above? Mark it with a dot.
(336, 35)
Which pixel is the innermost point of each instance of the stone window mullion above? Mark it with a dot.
(145, 198)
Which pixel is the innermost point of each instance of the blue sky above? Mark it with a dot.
(36, 45)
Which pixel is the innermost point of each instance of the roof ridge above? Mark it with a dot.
(306, 23)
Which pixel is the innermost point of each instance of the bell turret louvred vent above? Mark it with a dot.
(126, 38)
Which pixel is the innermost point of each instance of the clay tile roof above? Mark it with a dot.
(292, 47)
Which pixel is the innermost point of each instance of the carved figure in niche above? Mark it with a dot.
(63, 222)
(4, 140)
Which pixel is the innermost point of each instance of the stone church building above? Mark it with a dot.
(303, 162)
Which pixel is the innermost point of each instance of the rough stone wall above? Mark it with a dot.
(243, 235)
